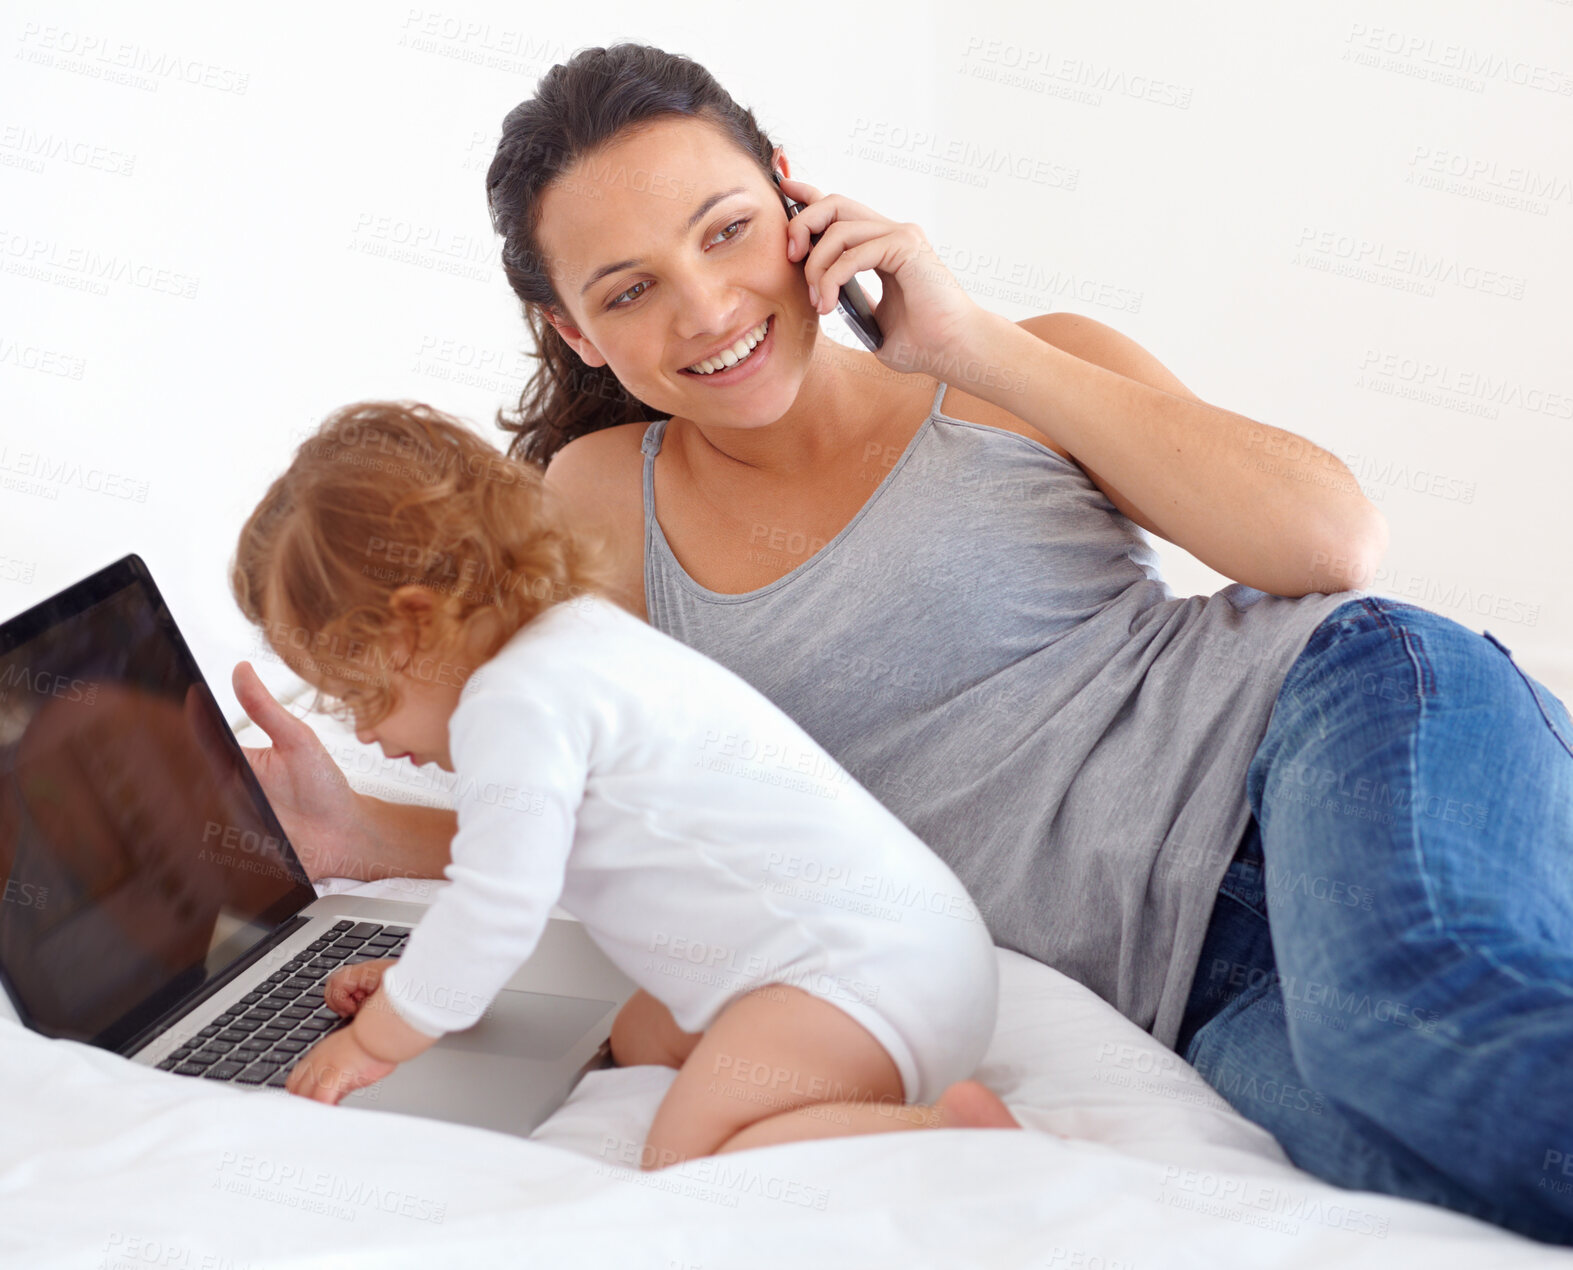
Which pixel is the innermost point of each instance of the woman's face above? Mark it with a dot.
(704, 271)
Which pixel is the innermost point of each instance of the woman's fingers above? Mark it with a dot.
(282, 727)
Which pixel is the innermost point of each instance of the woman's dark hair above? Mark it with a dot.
(596, 96)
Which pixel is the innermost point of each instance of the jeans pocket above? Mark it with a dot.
(1551, 708)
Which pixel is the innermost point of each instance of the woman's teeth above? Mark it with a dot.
(731, 356)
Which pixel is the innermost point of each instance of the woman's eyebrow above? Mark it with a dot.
(619, 265)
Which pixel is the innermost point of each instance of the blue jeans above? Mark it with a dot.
(1386, 984)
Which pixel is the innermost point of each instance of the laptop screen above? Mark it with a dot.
(140, 857)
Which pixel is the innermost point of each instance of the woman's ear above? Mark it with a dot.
(574, 338)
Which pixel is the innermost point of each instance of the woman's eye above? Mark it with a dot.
(616, 301)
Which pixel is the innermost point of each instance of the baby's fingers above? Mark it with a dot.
(347, 988)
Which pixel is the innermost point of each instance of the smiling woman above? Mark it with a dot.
(896, 551)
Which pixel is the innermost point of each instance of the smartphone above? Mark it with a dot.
(852, 303)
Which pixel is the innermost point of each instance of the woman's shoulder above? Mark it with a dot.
(599, 480)
(598, 459)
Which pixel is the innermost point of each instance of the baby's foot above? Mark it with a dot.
(969, 1105)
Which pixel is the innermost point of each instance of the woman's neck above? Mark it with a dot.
(846, 397)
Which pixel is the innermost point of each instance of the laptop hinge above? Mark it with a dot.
(151, 1031)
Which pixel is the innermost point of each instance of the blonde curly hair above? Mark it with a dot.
(390, 495)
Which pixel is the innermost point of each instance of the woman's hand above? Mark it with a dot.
(318, 810)
(923, 312)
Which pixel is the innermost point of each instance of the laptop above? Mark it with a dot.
(153, 905)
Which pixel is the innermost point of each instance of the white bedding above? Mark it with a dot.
(107, 1164)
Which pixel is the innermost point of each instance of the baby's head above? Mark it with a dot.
(397, 553)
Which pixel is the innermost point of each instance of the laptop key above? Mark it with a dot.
(212, 1029)
(366, 930)
(203, 1059)
(343, 925)
(217, 1045)
(314, 1025)
(291, 1046)
(401, 931)
(223, 1071)
(295, 1012)
(253, 1046)
(190, 1069)
(279, 1078)
(169, 1064)
(251, 998)
(317, 945)
(231, 1035)
(270, 1034)
(255, 1074)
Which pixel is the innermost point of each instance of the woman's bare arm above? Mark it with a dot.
(398, 840)
(336, 832)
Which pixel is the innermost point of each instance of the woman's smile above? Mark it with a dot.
(745, 368)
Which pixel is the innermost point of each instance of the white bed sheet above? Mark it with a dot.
(107, 1164)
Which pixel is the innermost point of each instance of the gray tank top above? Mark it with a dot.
(988, 646)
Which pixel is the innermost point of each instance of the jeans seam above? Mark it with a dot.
(1534, 692)
(1444, 928)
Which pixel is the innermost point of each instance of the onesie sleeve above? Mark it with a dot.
(520, 770)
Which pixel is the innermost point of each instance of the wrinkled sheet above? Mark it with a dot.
(107, 1164)
(1129, 1161)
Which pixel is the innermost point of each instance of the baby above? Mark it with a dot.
(778, 919)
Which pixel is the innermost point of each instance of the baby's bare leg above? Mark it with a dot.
(645, 1032)
(770, 1053)
(965, 1105)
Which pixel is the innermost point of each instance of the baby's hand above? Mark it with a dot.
(347, 988)
(336, 1065)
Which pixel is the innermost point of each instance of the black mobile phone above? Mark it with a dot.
(852, 302)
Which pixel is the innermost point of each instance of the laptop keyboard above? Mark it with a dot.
(257, 1040)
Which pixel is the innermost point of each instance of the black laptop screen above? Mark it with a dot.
(139, 856)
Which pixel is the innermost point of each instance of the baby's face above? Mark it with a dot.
(417, 726)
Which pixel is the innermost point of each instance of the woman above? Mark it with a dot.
(946, 588)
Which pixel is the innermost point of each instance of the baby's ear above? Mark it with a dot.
(418, 610)
(415, 603)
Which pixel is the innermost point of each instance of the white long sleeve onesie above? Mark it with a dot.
(708, 843)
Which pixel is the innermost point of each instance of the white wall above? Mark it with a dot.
(196, 220)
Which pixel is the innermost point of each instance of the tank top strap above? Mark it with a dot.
(651, 445)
